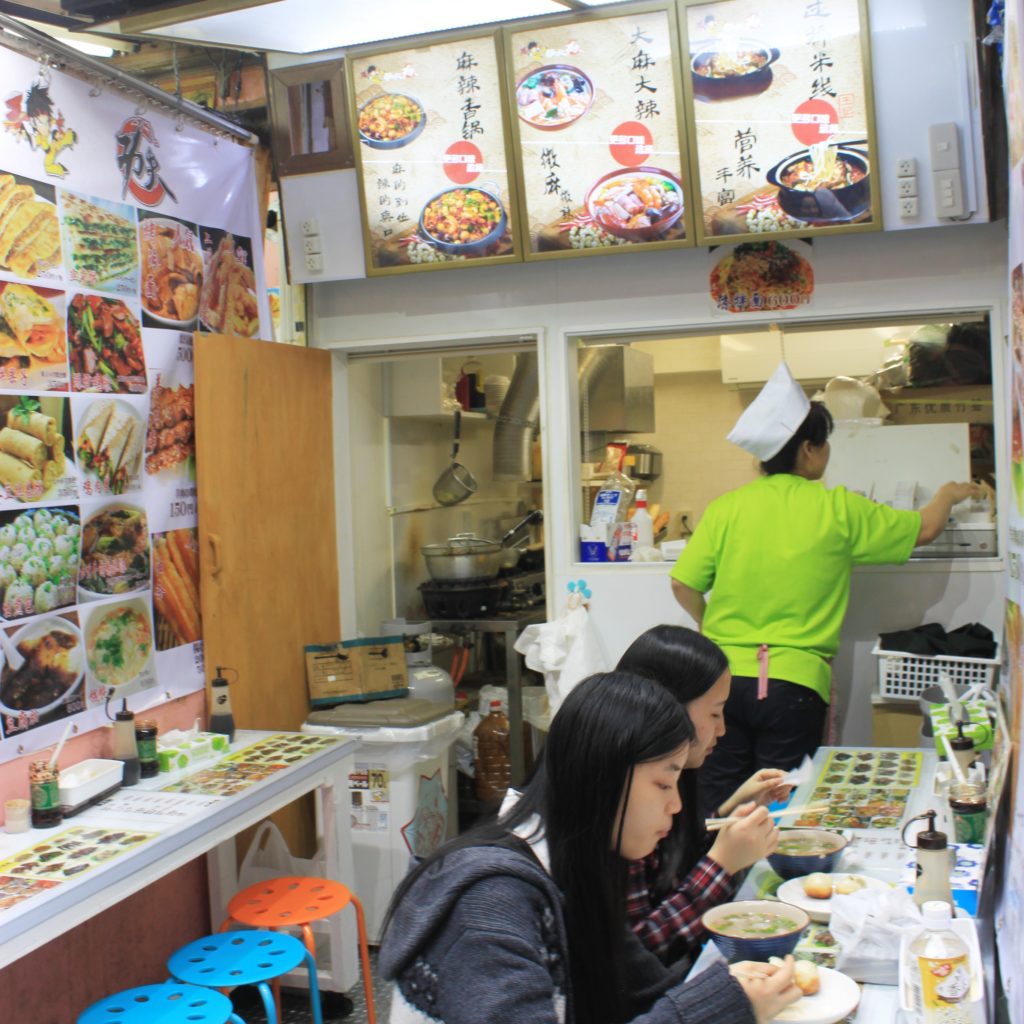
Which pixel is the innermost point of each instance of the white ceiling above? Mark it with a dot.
(307, 26)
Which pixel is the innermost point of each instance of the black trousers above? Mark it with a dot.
(772, 733)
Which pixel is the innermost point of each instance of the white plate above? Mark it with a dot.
(837, 998)
(820, 910)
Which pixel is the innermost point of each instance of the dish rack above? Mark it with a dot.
(903, 676)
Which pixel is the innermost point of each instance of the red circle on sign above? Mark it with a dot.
(463, 162)
(815, 121)
(631, 144)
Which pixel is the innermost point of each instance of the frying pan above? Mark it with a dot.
(456, 483)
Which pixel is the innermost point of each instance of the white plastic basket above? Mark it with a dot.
(903, 676)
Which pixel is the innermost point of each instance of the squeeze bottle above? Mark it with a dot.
(939, 970)
(643, 526)
(963, 749)
(221, 718)
(933, 865)
(125, 748)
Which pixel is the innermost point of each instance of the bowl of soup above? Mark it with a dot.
(742, 69)
(825, 182)
(803, 851)
(755, 929)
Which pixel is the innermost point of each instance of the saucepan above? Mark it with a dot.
(467, 557)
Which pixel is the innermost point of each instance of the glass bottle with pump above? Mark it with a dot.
(934, 862)
(939, 970)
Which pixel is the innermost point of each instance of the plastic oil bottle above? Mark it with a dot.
(643, 525)
(939, 970)
(493, 767)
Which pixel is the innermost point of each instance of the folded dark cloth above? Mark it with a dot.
(971, 641)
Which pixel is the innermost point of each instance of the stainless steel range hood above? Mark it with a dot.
(616, 385)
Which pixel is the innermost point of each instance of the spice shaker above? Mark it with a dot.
(44, 785)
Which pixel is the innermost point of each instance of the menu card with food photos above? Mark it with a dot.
(431, 156)
(782, 123)
(596, 104)
(122, 232)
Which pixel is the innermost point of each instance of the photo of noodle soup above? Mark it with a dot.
(761, 276)
(755, 929)
(825, 182)
(119, 643)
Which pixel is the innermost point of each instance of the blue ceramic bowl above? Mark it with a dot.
(786, 922)
(794, 864)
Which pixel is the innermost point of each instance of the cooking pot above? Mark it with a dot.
(643, 462)
(467, 557)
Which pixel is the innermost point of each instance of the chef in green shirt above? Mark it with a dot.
(766, 575)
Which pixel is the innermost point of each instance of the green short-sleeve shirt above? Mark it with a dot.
(776, 555)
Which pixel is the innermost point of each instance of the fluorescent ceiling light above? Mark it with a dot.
(94, 46)
(307, 26)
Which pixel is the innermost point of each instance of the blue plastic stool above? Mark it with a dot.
(245, 958)
(162, 1004)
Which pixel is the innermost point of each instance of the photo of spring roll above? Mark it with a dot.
(35, 423)
(109, 448)
(34, 459)
(17, 474)
(24, 446)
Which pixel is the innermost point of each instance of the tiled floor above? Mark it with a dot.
(295, 1004)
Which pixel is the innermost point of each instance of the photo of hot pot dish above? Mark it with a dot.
(463, 221)
(826, 182)
(742, 70)
(553, 96)
(51, 670)
(640, 204)
(390, 121)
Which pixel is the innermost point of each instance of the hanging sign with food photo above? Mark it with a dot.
(762, 277)
(596, 119)
(431, 152)
(782, 120)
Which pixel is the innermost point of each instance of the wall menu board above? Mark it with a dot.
(596, 109)
(782, 117)
(431, 155)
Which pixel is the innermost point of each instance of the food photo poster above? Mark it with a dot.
(783, 128)
(431, 152)
(123, 232)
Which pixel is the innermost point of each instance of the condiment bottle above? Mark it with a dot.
(145, 742)
(493, 767)
(939, 969)
(125, 748)
(44, 786)
(933, 863)
(963, 749)
(643, 525)
(221, 718)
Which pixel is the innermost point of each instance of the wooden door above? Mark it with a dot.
(268, 555)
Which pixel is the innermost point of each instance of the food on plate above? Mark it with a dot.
(29, 232)
(462, 216)
(818, 886)
(118, 644)
(636, 200)
(822, 168)
(845, 884)
(30, 326)
(38, 561)
(227, 303)
(106, 346)
(805, 974)
(553, 97)
(32, 455)
(390, 118)
(172, 269)
(115, 551)
(110, 444)
(176, 588)
(730, 65)
(761, 275)
(101, 243)
(754, 924)
(170, 436)
(53, 664)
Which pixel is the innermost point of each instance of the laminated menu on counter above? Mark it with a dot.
(596, 106)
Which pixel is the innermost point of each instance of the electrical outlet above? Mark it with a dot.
(311, 244)
(906, 187)
(909, 206)
(314, 262)
(906, 168)
(309, 227)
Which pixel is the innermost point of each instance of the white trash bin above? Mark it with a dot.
(401, 788)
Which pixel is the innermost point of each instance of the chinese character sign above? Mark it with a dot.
(781, 120)
(597, 122)
(431, 155)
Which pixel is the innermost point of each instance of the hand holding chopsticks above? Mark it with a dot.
(714, 824)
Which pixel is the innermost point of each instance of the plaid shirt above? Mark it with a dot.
(661, 926)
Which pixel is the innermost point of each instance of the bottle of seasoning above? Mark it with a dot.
(493, 766)
(963, 749)
(45, 795)
(145, 741)
(221, 718)
(125, 748)
(933, 863)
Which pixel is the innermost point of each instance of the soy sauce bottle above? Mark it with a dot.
(125, 746)
(221, 718)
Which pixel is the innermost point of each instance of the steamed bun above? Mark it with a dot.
(818, 886)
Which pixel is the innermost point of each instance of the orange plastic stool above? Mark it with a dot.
(293, 902)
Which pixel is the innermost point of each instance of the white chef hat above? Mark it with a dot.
(773, 417)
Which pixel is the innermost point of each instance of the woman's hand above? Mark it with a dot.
(763, 787)
(770, 989)
(752, 836)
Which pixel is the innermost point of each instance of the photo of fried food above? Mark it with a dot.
(29, 230)
(170, 436)
(176, 589)
(228, 301)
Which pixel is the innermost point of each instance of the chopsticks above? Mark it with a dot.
(714, 824)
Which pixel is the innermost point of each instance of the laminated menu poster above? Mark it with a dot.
(122, 231)
(596, 106)
(782, 124)
(431, 152)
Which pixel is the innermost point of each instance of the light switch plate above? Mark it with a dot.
(944, 146)
(949, 193)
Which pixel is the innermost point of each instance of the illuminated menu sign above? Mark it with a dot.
(431, 156)
(596, 104)
(781, 118)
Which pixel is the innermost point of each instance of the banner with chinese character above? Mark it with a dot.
(597, 104)
(122, 231)
(431, 154)
(782, 121)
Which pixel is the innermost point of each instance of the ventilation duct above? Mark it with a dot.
(517, 421)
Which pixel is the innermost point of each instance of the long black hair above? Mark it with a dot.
(606, 726)
(816, 427)
(687, 664)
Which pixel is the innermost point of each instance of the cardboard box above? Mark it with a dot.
(951, 403)
(371, 668)
(895, 723)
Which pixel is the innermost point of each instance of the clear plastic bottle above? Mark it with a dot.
(493, 767)
(939, 969)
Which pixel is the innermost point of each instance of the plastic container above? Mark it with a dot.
(643, 525)
(939, 970)
(399, 788)
(903, 676)
(493, 765)
(85, 781)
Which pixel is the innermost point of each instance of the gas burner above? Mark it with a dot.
(525, 590)
(472, 599)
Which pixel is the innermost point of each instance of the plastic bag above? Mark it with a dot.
(268, 857)
(868, 926)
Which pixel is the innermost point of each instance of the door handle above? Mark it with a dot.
(215, 566)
